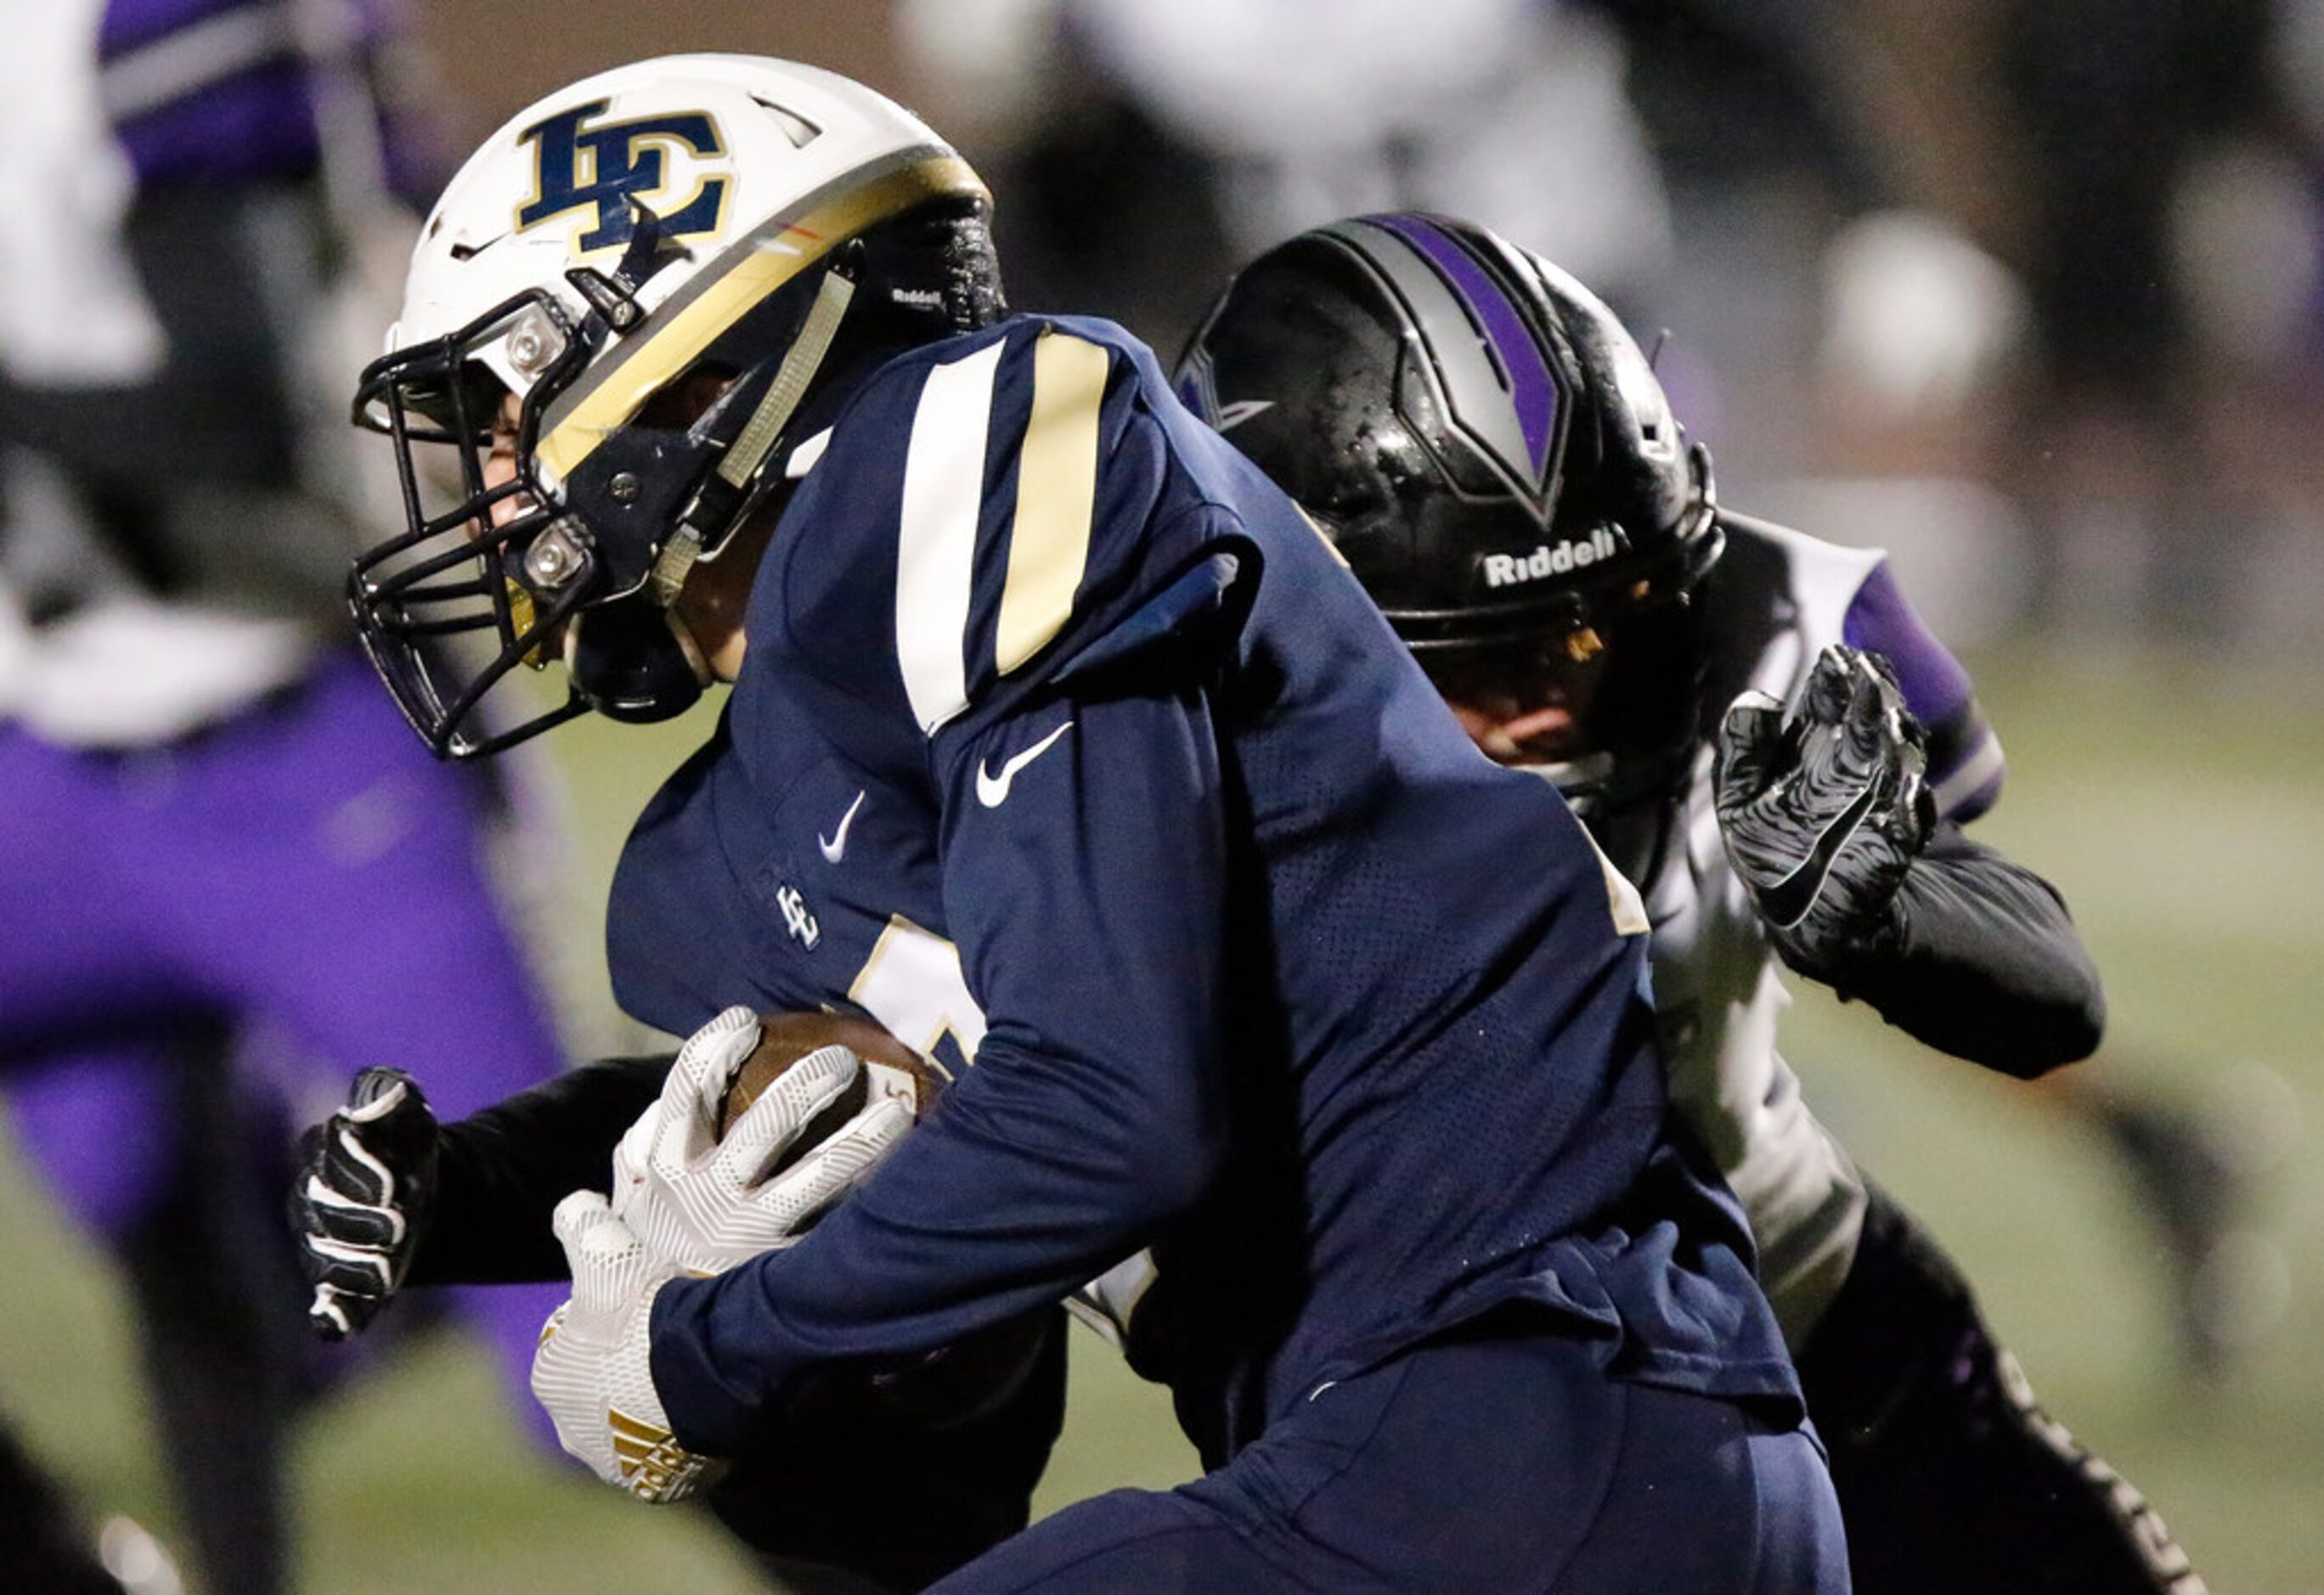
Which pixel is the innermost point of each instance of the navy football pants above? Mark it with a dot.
(1499, 1464)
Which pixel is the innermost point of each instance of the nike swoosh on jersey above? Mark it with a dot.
(1788, 901)
(835, 846)
(993, 790)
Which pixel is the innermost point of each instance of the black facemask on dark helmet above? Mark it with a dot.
(1492, 454)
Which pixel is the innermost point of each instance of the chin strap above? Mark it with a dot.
(727, 493)
(1572, 776)
(695, 660)
(801, 361)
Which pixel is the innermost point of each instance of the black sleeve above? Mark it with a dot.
(1990, 967)
(504, 1168)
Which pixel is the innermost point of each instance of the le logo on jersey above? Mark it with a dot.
(797, 918)
(603, 167)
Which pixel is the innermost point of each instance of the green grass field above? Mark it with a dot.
(2177, 807)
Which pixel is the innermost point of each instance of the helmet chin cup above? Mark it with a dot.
(633, 662)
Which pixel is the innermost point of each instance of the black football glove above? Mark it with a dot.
(367, 1182)
(1823, 814)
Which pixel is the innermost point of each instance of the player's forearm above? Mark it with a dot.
(1990, 967)
(505, 1168)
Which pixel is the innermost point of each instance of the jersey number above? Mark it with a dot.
(912, 984)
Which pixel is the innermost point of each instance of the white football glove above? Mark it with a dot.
(591, 1371)
(706, 1204)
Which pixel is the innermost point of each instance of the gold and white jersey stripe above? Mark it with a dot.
(945, 492)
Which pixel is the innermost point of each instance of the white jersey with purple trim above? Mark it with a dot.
(1777, 599)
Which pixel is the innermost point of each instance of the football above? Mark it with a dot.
(890, 1068)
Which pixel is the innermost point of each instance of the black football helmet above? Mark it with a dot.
(677, 270)
(1490, 452)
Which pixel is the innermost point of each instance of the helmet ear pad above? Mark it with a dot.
(1648, 706)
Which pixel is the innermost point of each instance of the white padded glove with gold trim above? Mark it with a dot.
(591, 1371)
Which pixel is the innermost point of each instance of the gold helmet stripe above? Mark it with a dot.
(760, 264)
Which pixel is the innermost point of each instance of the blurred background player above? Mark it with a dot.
(226, 865)
(1490, 450)
(1256, 121)
(2139, 168)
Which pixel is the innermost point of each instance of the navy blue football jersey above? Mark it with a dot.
(1066, 748)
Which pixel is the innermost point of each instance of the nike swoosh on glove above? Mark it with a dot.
(1823, 812)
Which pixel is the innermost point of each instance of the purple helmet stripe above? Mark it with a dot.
(1532, 389)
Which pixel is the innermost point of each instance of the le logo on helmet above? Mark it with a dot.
(624, 160)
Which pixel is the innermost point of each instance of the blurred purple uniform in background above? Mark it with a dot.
(226, 863)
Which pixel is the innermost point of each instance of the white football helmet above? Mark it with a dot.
(774, 226)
